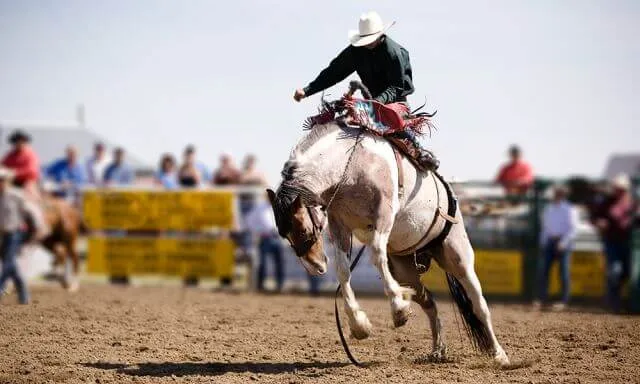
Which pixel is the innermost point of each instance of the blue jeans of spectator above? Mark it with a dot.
(314, 284)
(550, 253)
(270, 246)
(617, 255)
(11, 243)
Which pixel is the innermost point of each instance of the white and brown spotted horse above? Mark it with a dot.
(358, 184)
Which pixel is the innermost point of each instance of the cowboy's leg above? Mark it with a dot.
(426, 158)
(11, 243)
(358, 321)
(14, 249)
(400, 306)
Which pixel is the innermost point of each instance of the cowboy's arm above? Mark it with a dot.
(338, 70)
(398, 83)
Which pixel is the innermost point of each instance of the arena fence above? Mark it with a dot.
(187, 234)
(505, 231)
(142, 232)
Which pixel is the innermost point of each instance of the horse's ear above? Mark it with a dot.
(272, 196)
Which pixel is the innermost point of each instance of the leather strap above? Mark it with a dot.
(400, 172)
(414, 247)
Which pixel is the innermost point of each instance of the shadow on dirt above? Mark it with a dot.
(212, 369)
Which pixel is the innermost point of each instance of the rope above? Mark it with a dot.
(344, 173)
(343, 340)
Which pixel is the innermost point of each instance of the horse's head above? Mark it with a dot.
(302, 226)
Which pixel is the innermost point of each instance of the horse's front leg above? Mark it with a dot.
(358, 321)
(400, 296)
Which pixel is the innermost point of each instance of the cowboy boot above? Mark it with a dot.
(425, 157)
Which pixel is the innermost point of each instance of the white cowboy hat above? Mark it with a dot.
(6, 173)
(621, 181)
(370, 27)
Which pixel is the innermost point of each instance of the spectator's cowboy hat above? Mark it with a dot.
(6, 173)
(622, 182)
(19, 135)
(370, 28)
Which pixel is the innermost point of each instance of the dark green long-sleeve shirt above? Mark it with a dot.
(385, 70)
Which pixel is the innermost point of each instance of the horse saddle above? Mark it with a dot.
(393, 122)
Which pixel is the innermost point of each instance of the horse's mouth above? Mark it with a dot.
(314, 268)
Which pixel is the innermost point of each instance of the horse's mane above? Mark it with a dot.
(316, 133)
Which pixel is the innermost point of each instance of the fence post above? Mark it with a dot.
(634, 279)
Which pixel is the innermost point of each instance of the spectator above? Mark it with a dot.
(24, 163)
(167, 175)
(12, 211)
(516, 177)
(67, 172)
(613, 219)
(250, 175)
(189, 175)
(97, 164)
(118, 173)
(200, 166)
(559, 225)
(227, 174)
(261, 223)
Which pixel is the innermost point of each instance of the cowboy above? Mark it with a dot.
(23, 161)
(382, 65)
(12, 211)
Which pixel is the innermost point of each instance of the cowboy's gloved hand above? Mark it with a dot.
(298, 95)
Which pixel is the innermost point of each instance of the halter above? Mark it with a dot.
(318, 225)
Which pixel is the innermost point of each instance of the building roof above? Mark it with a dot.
(49, 141)
(623, 163)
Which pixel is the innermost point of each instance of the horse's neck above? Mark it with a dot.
(322, 166)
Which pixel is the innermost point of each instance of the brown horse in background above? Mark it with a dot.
(65, 224)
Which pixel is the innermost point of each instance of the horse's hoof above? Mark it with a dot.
(438, 355)
(401, 314)
(73, 287)
(501, 359)
(361, 326)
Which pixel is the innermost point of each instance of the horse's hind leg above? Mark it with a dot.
(457, 260)
(404, 270)
(400, 306)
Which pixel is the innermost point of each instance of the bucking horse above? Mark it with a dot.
(355, 182)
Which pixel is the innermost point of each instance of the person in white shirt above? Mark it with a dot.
(97, 164)
(559, 222)
(262, 224)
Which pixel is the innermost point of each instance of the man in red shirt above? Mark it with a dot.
(516, 176)
(25, 165)
(23, 161)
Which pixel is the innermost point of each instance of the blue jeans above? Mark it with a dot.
(314, 284)
(11, 242)
(271, 246)
(618, 254)
(550, 253)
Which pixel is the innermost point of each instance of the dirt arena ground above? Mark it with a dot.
(106, 334)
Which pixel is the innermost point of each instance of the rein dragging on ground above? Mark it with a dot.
(343, 340)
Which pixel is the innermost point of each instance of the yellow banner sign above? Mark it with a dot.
(587, 275)
(499, 271)
(187, 257)
(158, 210)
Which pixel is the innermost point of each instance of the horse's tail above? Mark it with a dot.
(477, 331)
